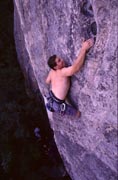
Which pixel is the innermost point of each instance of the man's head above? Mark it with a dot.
(55, 62)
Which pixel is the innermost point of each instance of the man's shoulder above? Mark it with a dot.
(64, 69)
(51, 71)
(67, 71)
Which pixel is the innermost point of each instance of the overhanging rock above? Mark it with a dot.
(43, 28)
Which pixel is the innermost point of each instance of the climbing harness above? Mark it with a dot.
(49, 105)
(63, 108)
(60, 103)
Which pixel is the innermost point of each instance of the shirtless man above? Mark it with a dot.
(59, 78)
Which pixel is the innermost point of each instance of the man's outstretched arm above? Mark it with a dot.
(69, 71)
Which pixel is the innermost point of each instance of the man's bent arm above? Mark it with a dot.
(79, 61)
(48, 79)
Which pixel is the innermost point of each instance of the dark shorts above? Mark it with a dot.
(60, 106)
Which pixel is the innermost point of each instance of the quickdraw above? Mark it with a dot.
(63, 108)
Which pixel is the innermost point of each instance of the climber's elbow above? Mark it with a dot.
(69, 71)
(75, 68)
(47, 81)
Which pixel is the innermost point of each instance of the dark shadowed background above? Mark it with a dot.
(23, 153)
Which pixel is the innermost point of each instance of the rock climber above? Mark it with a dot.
(59, 79)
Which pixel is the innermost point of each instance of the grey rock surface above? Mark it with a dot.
(88, 146)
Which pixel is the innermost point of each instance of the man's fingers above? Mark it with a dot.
(90, 42)
(83, 39)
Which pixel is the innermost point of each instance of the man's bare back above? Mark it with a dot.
(59, 84)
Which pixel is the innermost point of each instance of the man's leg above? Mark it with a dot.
(69, 109)
(72, 111)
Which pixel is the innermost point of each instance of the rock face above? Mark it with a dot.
(43, 28)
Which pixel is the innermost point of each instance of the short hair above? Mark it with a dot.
(52, 62)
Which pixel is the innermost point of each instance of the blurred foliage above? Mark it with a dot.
(22, 155)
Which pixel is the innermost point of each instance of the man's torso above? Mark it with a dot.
(59, 84)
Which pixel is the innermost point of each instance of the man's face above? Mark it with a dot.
(60, 63)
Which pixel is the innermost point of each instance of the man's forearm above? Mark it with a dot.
(86, 45)
(80, 59)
